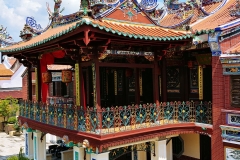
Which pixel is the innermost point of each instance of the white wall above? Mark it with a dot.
(15, 81)
(191, 145)
(5, 62)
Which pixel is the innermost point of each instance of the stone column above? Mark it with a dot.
(139, 155)
(78, 153)
(160, 150)
(28, 143)
(101, 156)
(169, 150)
(39, 146)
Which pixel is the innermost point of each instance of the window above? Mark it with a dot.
(235, 91)
(33, 89)
(60, 89)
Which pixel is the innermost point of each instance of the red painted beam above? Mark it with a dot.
(118, 138)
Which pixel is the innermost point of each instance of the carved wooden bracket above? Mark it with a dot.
(42, 135)
(86, 38)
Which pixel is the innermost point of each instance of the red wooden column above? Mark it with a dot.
(164, 79)
(155, 80)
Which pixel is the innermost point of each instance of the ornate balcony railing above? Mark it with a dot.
(117, 119)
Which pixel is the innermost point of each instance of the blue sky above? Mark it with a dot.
(13, 13)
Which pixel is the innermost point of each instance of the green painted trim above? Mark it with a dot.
(204, 32)
(30, 130)
(76, 155)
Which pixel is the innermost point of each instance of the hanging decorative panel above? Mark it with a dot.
(120, 80)
(193, 80)
(173, 80)
(47, 77)
(66, 76)
(200, 82)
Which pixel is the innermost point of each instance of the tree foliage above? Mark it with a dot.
(8, 107)
(20, 156)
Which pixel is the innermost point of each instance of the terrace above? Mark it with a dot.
(104, 121)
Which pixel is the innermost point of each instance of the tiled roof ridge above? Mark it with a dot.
(220, 17)
(199, 21)
(216, 9)
(180, 23)
(170, 22)
(126, 22)
(87, 21)
(142, 25)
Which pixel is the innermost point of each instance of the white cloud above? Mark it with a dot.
(13, 13)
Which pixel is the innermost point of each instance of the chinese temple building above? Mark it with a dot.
(128, 80)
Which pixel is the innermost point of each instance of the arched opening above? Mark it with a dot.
(127, 156)
(191, 146)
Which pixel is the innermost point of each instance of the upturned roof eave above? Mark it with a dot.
(89, 22)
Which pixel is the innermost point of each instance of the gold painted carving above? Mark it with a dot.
(115, 82)
(200, 82)
(77, 82)
(94, 83)
(36, 84)
(140, 82)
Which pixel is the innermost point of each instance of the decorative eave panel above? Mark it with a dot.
(230, 133)
(230, 64)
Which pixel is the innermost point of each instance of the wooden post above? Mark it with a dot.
(155, 80)
(137, 87)
(200, 82)
(164, 79)
(29, 82)
(96, 81)
(96, 87)
(38, 81)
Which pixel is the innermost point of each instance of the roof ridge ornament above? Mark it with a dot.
(30, 21)
(130, 9)
(85, 7)
(27, 33)
(235, 9)
(148, 5)
(56, 14)
(187, 9)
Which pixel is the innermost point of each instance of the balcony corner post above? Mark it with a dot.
(75, 118)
